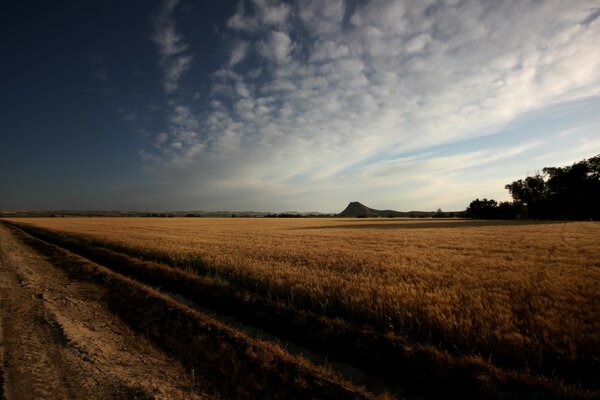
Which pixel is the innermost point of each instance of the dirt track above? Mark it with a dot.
(58, 340)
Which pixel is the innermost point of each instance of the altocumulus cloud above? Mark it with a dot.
(171, 47)
(323, 100)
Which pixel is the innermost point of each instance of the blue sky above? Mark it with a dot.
(304, 105)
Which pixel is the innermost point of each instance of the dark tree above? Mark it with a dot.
(483, 209)
(510, 210)
(571, 192)
(530, 192)
(439, 214)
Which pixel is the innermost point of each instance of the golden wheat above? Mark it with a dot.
(520, 291)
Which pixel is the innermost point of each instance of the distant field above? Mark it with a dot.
(524, 295)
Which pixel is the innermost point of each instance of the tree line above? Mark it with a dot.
(571, 192)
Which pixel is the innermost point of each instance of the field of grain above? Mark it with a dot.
(522, 294)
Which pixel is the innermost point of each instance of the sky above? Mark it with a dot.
(278, 106)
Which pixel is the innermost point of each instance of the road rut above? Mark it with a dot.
(59, 341)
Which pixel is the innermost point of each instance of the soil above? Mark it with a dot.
(59, 341)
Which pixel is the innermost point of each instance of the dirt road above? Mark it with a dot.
(58, 340)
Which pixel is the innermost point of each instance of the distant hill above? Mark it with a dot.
(356, 209)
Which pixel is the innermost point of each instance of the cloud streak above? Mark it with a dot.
(316, 95)
(171, 47)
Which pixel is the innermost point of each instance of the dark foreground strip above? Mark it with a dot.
(1, 361)
(238, 366)
(415, 367)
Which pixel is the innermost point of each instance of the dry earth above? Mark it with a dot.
(58, 340)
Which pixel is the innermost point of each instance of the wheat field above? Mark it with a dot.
(523, 294)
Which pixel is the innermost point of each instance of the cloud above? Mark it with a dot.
(276, 47)
(171, 47)
(262, 14)
(169, 41)
(321, 18)
(238, 52)
(341, 87)
(174, 70)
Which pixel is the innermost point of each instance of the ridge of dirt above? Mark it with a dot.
(59, 341)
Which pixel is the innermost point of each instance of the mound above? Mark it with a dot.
(356, 209)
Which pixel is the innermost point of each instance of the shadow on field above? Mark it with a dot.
(403, 224)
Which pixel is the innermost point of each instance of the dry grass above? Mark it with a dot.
(524, 294)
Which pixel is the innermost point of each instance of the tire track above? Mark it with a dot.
(29, 363)
(60, 342)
